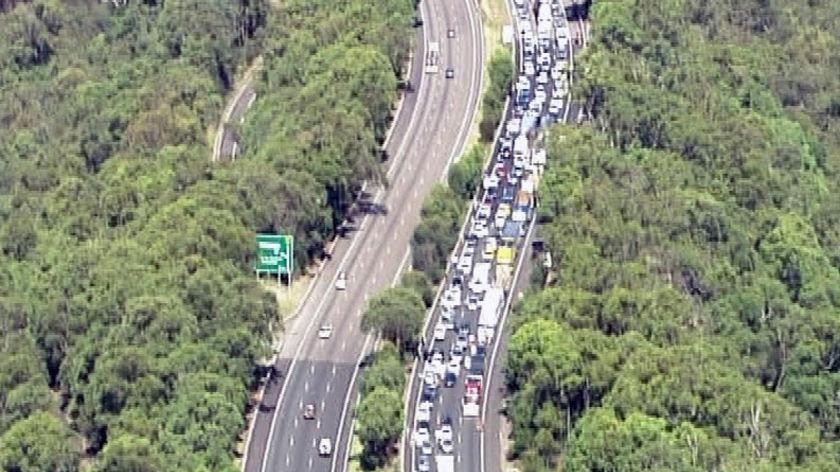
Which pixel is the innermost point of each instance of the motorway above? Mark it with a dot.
(494, 454)
(430, 130)
(473, 450)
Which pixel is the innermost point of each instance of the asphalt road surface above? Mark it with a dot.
(446, 402)
(494, 442)
(230, 141)
(433, 125)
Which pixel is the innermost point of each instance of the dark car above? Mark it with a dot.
(450, 73)
(449, 379)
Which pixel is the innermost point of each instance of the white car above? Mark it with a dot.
(341, 281)
(430, 378)
(479, 230)
(325, 447)
(542, 79)
(554, 106)
(424, 464)
(421, 435)
(424, 413)
(440, 332)
(453, 367)
(465, 264)
(445, 432)
(426, 447)
(446, 446)
(325, 331)
(472, 302)
(529, 69)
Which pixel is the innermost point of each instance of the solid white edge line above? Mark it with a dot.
(353, 379)
(356, 239)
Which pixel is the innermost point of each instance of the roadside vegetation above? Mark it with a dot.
(130, 320)
(692, 319)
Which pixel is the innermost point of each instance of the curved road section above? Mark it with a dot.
(432, 127)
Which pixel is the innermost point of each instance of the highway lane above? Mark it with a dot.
(231, 146)
(494, 442)
(404, 121)
(469, 447)
(324, 369)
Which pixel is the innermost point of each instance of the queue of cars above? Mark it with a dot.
(481, 270)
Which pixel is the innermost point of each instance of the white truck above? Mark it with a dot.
(445, 463)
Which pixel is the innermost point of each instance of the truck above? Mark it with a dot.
(491, 310)
(471, 402)
(480, 277)
(524, 203)
(520, 147)
(444, 463)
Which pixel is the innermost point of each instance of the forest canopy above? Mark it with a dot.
(692, 318)
(130, 320)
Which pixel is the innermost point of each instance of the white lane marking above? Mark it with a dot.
(288, 459)
(459, 458)
(306, 386)
(291, 441)
(310, 462)
(333, 368)
(322, 405)
(343, 345)
(300, 404)
(318, 424)
(328, 387)
(312, 368)
(296, 421)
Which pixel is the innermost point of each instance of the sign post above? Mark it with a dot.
(275, 255)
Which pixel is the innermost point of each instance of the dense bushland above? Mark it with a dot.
(692, 322)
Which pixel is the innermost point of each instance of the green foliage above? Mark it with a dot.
(500, 71)
(380, 422)
(436, 235)
(39, 443)
(127, 302)
(465, 175)
(691, 322)
(397, 314)
(380, 414)
(417, 281)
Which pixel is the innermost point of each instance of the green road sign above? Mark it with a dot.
(275, 253)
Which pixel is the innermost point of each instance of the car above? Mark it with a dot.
(464, 265)
(325, 331)
(446, 446)
(464, 329)
(341, 281)
(440, 331)
(424, 412)
(424, 464)
(437, 357)
(457, 352)
(472, 302)
(450, 33)
(479, 230)
(421, 435)
(529, 69)
(309, 411)
(429, 393)
(426, 448)
(449, 379)
(430, 378)
(542, 79)
(453, 367)
(325, 447)
(445, 432)
(450, 73)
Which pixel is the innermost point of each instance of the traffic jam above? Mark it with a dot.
(464, 325)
